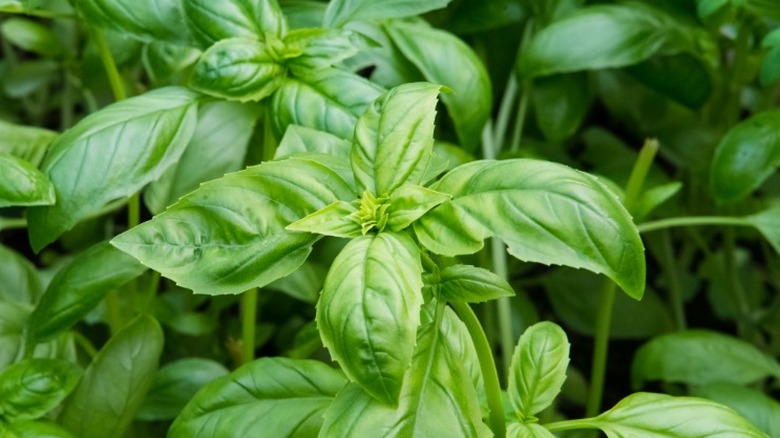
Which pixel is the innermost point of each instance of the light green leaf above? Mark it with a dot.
(115, 383)
(545, 212)
(21, 283)
(393, 141)
(756, 406)
(166, 63)
(747, 155)
(522, 430)
(23, 184)
(652, 197)
(11, 6)
(78, 288)
(299, 139)
(241, 69)
(560, 104)
(275, 397)
(229, 235)
(304, 284)
(26, 142)
(444, 59)
(218, 146)
(471, 284)
(31, 36)
(319, 48)
(30, 389)
(328, 100)
(210, 21)
(370, 309)
(538, 369)
(332, 220)
(689, 357)
(112, 154)
(145, 20)
(33, 429)
(409, 202)
(768, 223)
(340, 12)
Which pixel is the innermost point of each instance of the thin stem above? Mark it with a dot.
(638, 175)
(134, 211)
(522, 109)
(114, 78)
(688, 221)
(14, 223)
(248, 325)
(151, 291)
(487, 365)
(505, 110)
(114, 312)
(85, 344)
(675, 284)
(560, 426)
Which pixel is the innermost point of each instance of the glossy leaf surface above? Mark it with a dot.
(531, 430)
(26, 142)
(340, 12)
(31, 388)
(319, 48)
(471, 284)
(409, 202)
(146, 20)
(761, 409)
(22, 184)
(210, 21)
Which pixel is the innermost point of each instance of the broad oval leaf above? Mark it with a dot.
(538, 369)
(229, 235)
(319, 48)
(545, 212)
(146, 20)
(471, 284)
(31, 36)
(26, 142)
(298, 139)
(30, 389)
(746, 157)
(687, 357)
(115, 382)
(78, 288)
(241, 69)
(275, 397)
(210, 21)
(531, 430)
(560, 104)
(22, 184)
(444, 59)
(369, 311)
(112, 154)
(756, 406)
(340, 12)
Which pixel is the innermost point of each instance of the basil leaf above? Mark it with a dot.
(682, 77)
(687, 356)
(471, 284)
(12, 319)
(560, 104)
(393, 141)
(444, 59)
(115, 383)
(369, 311)
(299, 139)
(538, 369)
(304, 284)
(409, 202)
(332, 220)
(26, 142)
(30, 389)
(229, 235)
(78, 288)
(167, 63)
(768, 223)
(761, 409)
(319, 48)
(21, 283)
(210, 21)
(239, 69)
(268, 397)
(117, 150)
(653, 197)
(31, 36)
(340, 12)
(545, 212)
(33, 429)
(531, 430)
(23, 184)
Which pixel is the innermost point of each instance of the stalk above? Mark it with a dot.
(688, 221)
(248, 325)
(675, 284)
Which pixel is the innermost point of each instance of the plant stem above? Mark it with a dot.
(505, 110)
(675, 286)
(688, 221)
(522, 109)
(9, 224)
(114, 78)
(85, 344)
(248, 325)
(487, 365)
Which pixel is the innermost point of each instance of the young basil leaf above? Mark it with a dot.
(370, 309)
(303, 14)
(652, 197)
(210, 21)
(166, 63)
(229, 235)
(21, 282)
(23, 184)
(545, 212)
(115, 383)
(30, 389)
(746, 157)
(31, 36)
(340, 12)
(117, 150)
(538, 369)
(241, 69)
(26, 142)
(471, 284)
(768, 223)
(409, 202)
(319, 48)
(328, 100)
(304, 284)
(302, 139)
(13, 7)
(33, 429)
(560, 104)
(276, 397)
(531, 430)
(757, 407)
(218, 146)
(78, 288)
(689, 357)
(393, 141)
(332, 220)
(444, 59)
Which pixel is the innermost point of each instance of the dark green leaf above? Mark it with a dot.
(210, 21)
(26, 142)
(768, 223)
(33, 429)
(471, 284)
(274, 397)
(146, 20)
(112, 154)
(332, 220)
(683, 78)
(12, 319)
(444, 59)
(706, 8)
(30, 389)
(340, 12)
(23, 184)
(31, 36)
(229, 235)
(409, 202)
(545, 212)
(78, 288)
(466, 17)
(21, 283)
(770, 67)
(115, 383)
(761, 409)
(561, 103)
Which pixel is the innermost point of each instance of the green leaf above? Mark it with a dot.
(26, 142)
(768, 223)
(299, 139)
(78, 288)
(444, 59)
(761, 409)
(770, 67)
(166, 63)
(746, 156)
(304, 284)
(681, 77)
(522, 430)
(11, 6)
(241, 69)
(30, 389)
(319, 48)
(145, 20)
(706, 8)
(12, 319)
(561, 103)
(31, 36)
(328, 100)
(340, 12)
(700, 357)
(229, 235)
(218, 146)
(175, 384)
(23, 184)
(115, 383)
(471, 284)
(112, 154)
(651, 198)
(538, 369)
(332, 220)
(393, 141)
(210, 21)
(545, 212)
(409, 202)
(606, 36)
(33, 429)
(28, 77)
(276, 397)
(21, 283)
(370, 309)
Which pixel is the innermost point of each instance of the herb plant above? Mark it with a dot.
(232, 218)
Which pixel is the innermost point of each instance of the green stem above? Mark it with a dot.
(688, 221)
(735, 285)
(114, 78)
(560, 426)
(487, 365)
(675, 284)
(9, 224)
(85, 344)
(134, 211)
(114, 312)
(639, 173)
(248, 325)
